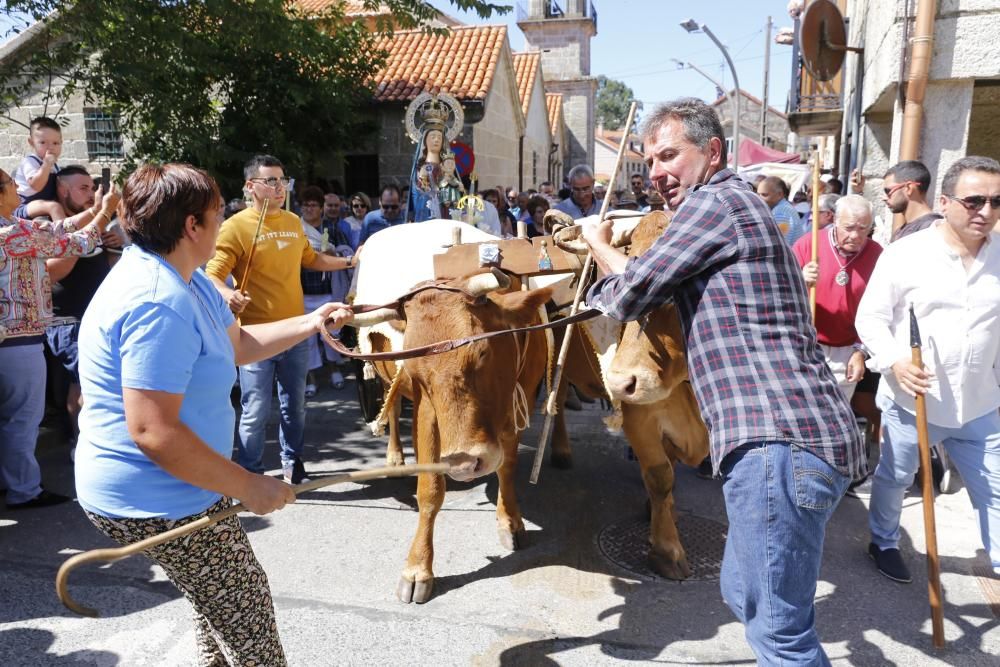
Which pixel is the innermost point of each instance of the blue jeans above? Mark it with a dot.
(256, 383)
(779, 499)
(974, 448)
(22, 405)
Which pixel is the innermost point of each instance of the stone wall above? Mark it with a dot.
(984, 123)
(777, 125)
(959, 117)
(578, 114)
(14, 137)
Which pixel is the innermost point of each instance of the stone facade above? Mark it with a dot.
(565, 46)
(750, 110)
(960, 110)
(14, 137)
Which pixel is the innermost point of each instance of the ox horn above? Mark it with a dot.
(374, 317)
(483, 283)
(554, 220)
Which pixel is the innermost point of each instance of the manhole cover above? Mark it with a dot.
(626, 544)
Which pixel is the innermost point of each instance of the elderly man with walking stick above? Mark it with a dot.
(783, 437)
(950, 274)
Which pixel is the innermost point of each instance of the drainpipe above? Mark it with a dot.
(916, 89)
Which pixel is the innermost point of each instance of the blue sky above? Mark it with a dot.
(636, 40)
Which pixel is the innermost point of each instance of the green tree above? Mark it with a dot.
(211, 82)
(612, 103)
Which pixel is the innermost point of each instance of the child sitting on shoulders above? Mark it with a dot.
(36, 175)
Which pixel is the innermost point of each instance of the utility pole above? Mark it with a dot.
(767, 76)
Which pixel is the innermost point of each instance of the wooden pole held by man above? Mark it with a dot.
(927, 490)
(550, 403)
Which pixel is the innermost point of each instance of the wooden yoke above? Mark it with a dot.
(517, 257)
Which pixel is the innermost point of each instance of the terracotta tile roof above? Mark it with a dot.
(553, 104)
(527, 67)
(349, 7)
(461, 63)
(613, 138)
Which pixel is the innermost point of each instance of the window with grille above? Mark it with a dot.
(104, 138)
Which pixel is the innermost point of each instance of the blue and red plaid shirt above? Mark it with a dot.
(752, 355)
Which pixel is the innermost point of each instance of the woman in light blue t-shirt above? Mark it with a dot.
(158, 349)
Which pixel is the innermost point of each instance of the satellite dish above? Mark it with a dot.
(823, 39)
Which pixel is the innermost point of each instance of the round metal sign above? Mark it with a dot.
(465, 158)
(822, 39)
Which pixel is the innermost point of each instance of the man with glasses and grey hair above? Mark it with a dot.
(273, 291)
(581, 202)
(845, 263)
(950, 275)
(782, 436)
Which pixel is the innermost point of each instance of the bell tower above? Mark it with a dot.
(563, 36)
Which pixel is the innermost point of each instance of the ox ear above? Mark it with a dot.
(521, 308)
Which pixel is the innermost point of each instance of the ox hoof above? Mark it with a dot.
(414, 591)
(669, 568)
(394, 459)
(561, 461)
(511, 541)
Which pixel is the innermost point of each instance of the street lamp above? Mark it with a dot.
(715, 82)
(692, 26)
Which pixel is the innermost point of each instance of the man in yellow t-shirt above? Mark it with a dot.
(273, 291)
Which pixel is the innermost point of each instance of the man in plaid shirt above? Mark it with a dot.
(783, 438)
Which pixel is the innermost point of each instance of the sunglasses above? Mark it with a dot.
(390, 207)
(898, 186)
(358, 204)
(976, 202)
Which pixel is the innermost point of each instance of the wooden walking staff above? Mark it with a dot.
(815, 219)
(112, 555)
(550, 403)
(253, 248)
(927, 489)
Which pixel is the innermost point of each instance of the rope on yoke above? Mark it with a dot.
(378, 425)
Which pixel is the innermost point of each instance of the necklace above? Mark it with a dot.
(841, 278)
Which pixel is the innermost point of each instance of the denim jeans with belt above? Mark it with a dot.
(256, 384)
(779, 499)
(974, 448)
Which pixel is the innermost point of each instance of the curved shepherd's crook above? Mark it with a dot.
(112, 555)
(550, 403)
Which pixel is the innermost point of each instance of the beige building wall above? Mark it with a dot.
(537, 139)
(495, 137)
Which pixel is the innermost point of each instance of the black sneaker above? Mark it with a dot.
(890, 564)
(43, 499)
(295, 473)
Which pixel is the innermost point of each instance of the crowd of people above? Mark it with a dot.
(155, 302)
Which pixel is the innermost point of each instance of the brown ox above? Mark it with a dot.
(661, 418)
(464, 406)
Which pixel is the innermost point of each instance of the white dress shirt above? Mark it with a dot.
(958, 314)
